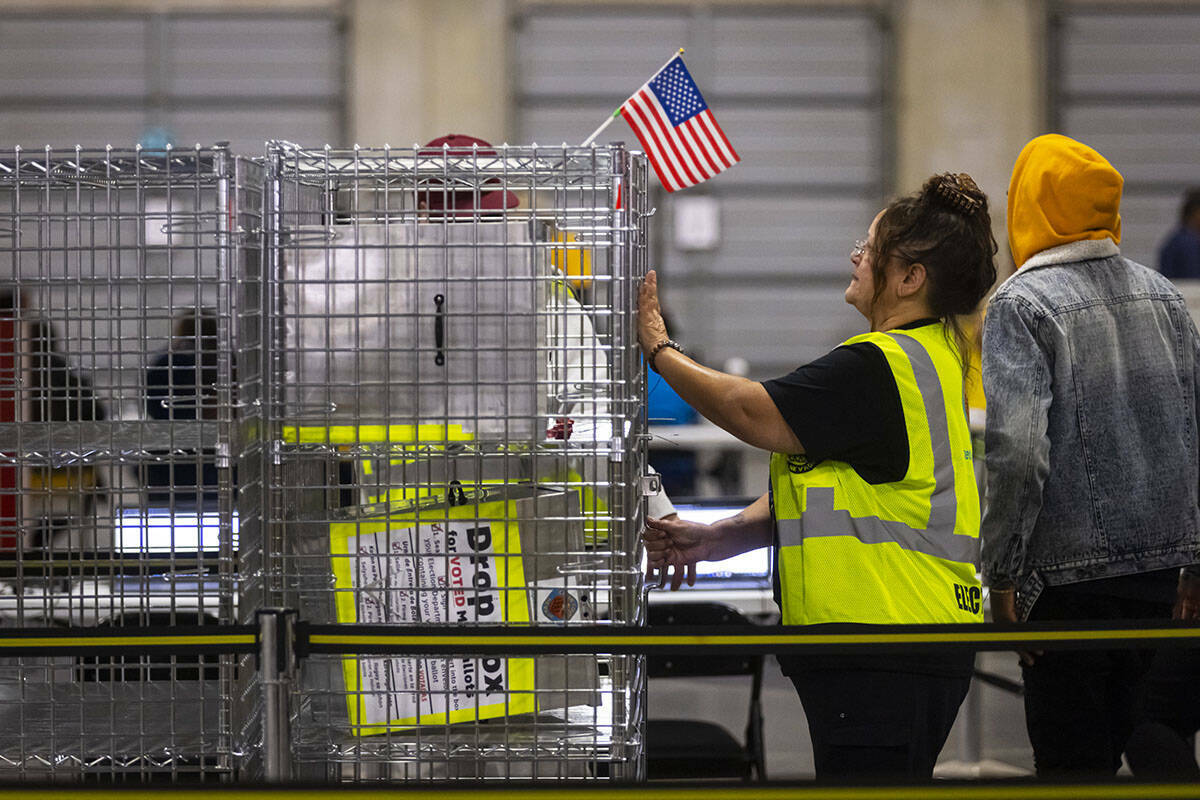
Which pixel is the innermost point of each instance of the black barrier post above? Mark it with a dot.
(276, 669)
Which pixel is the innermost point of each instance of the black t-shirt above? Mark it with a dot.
(846, 406)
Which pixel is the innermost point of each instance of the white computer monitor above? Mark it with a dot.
(163, 530)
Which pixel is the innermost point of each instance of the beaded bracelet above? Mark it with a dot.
(674, 345)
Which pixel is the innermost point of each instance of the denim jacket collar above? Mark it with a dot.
(1083, 250)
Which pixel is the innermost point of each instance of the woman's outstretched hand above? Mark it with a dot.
(673, 546)
(651, 328)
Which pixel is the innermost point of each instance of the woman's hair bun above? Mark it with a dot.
(957, 191)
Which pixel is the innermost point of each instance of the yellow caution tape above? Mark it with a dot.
(133, 642)
(462, 642)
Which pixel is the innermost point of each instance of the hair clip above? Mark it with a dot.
(959, 191)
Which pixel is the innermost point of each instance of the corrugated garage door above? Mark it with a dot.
(95, 79)
(800, 94)
(1126, 80)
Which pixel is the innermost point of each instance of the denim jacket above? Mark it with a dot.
(1090, 367)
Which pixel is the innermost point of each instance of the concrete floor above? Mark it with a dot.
(1003, 743)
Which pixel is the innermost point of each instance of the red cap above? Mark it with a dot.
(463, 201)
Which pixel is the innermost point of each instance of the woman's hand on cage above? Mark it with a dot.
(673, 547)
(651, 328)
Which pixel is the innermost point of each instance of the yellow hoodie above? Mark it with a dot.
(1061, 191)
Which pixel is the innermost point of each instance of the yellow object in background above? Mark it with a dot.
(973, 381)
(572, 261)
(63, 479)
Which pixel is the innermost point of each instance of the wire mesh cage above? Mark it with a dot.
(120, 438)
(455, 411)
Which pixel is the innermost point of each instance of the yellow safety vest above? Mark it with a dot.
(890, 553)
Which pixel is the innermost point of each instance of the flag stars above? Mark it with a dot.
(677, 93)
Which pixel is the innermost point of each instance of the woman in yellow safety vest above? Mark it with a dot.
(873, 506)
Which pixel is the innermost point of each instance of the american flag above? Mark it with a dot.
(677, 130)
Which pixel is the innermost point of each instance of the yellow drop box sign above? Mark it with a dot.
(472, 564)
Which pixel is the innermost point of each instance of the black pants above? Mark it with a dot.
(1081, 706)
(1160, 746)
(868, 723)
(1172, 690)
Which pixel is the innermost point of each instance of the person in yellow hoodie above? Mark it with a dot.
(1090, 366)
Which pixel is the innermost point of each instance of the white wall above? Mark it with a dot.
(969, 93)
(420, 69)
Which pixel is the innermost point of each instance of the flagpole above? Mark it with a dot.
(617, 113)
(600, 130)
(678, 53)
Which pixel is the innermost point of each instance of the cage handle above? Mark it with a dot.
(186, 226)
(439, 328)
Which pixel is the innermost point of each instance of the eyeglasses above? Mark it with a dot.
(859, 248)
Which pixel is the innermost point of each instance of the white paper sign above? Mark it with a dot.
(427, 574)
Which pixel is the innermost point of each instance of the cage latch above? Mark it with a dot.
(651, 484)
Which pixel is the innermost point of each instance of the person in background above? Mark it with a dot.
(1179, 256)
(181, 384)
(873, 506)
(678, 465)
(1091, 366)
(58, 393)
(61, 393)
(664, 406)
